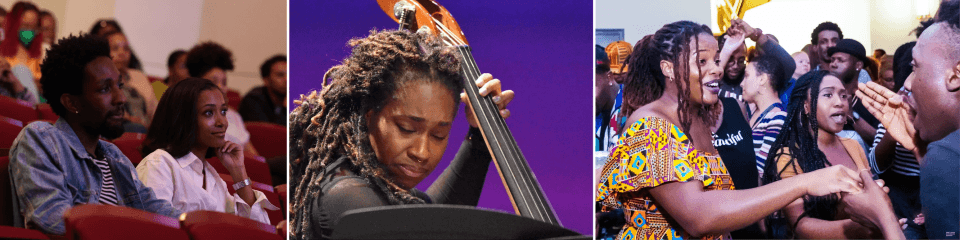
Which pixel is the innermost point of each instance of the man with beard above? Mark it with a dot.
(825, 36)
(56, 166)
(847, 60)
(933, 91)
(268, 103)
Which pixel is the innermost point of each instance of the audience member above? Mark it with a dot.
(176, 71)
(10, 86)
(211, 61)
(56, 166)
(268, 103)
(48, 28)
(104, 26)
(848, 59)
(19, 48)
(802, 60)
(141, 101)
(189, 130)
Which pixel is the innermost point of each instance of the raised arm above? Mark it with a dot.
(462, 181)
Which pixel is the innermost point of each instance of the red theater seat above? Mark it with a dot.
(256, 166)
(44, 112)
(130, 145)
(233, 98)
(268, 191)
(6, 194)
(205, 225)
(282, 193)
(9, 129)
(269, 139)
(94, 221)
(8, 232)
(17, 109)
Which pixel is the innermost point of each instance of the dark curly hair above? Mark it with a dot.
(799, 135)
(815, 35)
(208, 55)
(64, 67)
(267, 65)
(174, 128)
(645, 81)
(770, 66)
(331, 124)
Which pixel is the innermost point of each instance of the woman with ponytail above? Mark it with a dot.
(664, 172)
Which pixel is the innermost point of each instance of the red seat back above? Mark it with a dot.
(94, 221)
(44, 112)
(268, 191)
(282, 193)
(6, 193)
(9, 129)
(8, 232)
(17, 109)
(233, 98)
(130, 145)
(203, 225)
(269, 139)
(256, 166)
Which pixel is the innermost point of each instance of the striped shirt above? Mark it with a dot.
(108, 193)
(904, 163)
(765, 132)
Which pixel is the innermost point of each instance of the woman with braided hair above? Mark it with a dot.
(379, 128)
(807, 142)
(664, 172)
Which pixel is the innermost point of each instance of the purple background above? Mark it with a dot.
(541, 51)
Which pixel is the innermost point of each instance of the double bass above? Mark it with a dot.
(537, 219)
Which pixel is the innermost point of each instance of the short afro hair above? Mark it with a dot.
(206, 56)
(63, 70)
(266, 66)
(771, 66)
(824, 26)
(172, 59)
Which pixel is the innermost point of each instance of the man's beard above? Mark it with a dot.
(110, 131)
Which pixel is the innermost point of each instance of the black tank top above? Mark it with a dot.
(734, 141)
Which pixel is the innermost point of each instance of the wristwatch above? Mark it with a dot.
(237, 186)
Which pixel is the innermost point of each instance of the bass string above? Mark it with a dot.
(536, 203)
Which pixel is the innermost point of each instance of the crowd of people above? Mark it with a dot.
(700, 136)
(95, 84)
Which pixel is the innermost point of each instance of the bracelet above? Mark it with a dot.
(237, 186)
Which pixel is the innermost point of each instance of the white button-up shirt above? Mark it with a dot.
(180, 181)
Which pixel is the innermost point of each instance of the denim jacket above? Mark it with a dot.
(51, 171)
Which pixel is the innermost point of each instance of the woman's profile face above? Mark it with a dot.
(211, 119)
(832, 105)
(410, 133)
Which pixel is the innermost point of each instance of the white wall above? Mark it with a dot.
(253, 30)
(640, 18)
(792, 21)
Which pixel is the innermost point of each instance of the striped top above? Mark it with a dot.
(765, 132)
(904, 163)
(108, 193)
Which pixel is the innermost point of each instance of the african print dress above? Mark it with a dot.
(652, 152)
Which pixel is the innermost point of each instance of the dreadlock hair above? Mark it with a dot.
(799, 135)
(645, 82)
(331, 124)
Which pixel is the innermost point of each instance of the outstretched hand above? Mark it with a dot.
(891, 110)
(489, 87)
(872, 207)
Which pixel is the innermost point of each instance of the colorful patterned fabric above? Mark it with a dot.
(652, 152)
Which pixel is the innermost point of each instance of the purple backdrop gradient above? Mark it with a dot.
(543, 51)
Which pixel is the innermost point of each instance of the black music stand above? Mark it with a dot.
(438, 221)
